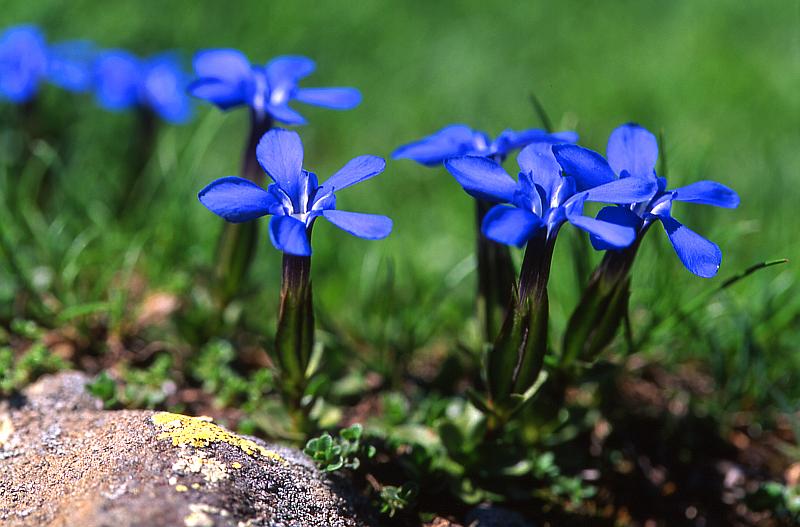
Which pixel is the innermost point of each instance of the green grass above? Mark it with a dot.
(718, 78)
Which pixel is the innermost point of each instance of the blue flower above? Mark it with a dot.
(295, 199)
(544, 198)
(23, 63)
(226, 78)
(633, 151)
(123, 81)
(460, 140)
(69, 65)
(26, 61)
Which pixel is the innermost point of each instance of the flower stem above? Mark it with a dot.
(601, 309)
(294, 339)
(495, 277)
(535, 271)
(237, 242)
(516, 359)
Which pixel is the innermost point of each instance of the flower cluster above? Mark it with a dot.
(556, 179)
(544, 198)
(226, 78)
(632, 153)
(118, 79)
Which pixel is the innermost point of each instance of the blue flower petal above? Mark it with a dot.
(280, 154)
(450, 141)
(355, 171)
(588, 168)
(482, 178)
(700, 256)
(23, 62)
(164, 87)
(538, 159)
(335, 98)
(289, 235)
(566, 136)
(237, 199)
(510, 225)
(634, 149)
(512, 139)
(708, 193)
(68, 65)
(222, 94)
(117, 75)
(367, 226)
(611, 234)
(285, 114)
(286, 70)
(224, 78)
(616, 215)
(228, 65)
(625, 190)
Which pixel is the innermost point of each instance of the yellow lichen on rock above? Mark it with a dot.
(200, 432)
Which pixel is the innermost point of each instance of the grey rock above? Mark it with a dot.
(66, 462)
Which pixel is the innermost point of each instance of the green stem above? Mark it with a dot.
(294, 339)
(516, 359)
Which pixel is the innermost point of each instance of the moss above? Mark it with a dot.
(200, 432)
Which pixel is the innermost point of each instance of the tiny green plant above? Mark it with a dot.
(393, 499)
(343, 451)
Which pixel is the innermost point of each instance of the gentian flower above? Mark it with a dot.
(26, 61)
(632, 153)
(226, 78)
(295, 199)
(544, 198)
(23, 63)
(69, 65)
(123, 81)
(460, 140)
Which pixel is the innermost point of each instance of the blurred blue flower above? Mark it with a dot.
(295, 199)
(544, 197)
(23, 63)
(226, 78)
(632, 150)
(123, 81)
(460, 140)
(26, 60)
(69, 65)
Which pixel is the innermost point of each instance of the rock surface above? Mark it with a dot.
(66, 462)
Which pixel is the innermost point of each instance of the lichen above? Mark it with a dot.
(199, 463)
(200, 515)
(200, 432)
